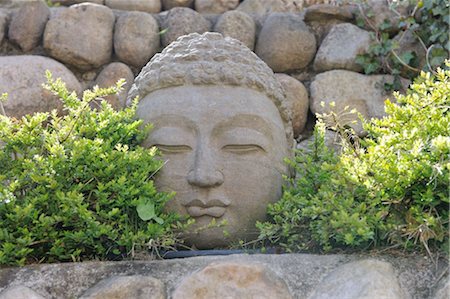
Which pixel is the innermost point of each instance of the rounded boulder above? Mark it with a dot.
(237, 25)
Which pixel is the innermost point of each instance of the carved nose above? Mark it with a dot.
(204, 172)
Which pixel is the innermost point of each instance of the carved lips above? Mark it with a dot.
(214, 208)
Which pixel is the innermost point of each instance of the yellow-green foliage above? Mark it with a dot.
(392, 188)
(78, 186)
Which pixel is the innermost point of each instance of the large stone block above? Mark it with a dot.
(285, 43)
(364, 93)
(27, 25)
(232, 280)
(215, 6)
(238, 25)
(22, 78)
(136, 38)
(81, 35)
(181, 21)
(340, 48)
(133, 286)
(109, 76)
(150, 6)
(297, 96)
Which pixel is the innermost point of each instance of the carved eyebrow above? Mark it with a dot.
(251, 121)
(170, 121)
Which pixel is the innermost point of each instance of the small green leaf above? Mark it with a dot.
(146, 210)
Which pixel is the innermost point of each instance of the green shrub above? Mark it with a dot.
(392, 187)
(79, 186)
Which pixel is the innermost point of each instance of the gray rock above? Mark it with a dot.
(109, 76)
(324, 12)
(133, 286)
(340, 48)
(150, 6)
(136, 38)
(27, 25)
(19, 292)
(232, 280)
(238, 25)
(285, 43)
(364, 93)
(181, 21)
(22, 78)
(71, 2)
(215, 6)
(379, 12)
(169, 4)
(442, 290)
(331, 139)
(3, 23)
(366, 279)
(407, 42)
(264, 7)
(81, 35)
(297, 96)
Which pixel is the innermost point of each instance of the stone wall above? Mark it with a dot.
(312, 47)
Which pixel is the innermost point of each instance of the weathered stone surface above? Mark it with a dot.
(133, 286)
(150, 6)
(169, 4)
(71, 2)
(380, 12)
(3, 22)
(238, 25)
(340, 48)
(363, 279)
(407, 42)
(364, 93)
(263, 7)
(22, 78)
(19, 292)
(109, 76)
(322, 12)
(27, 25)
(285, 43)
(302, 273)
(136, 38)
(297, 96)
(331, 139)
(215, 6)
(81, 35)
(443, 289)
(181, 21)
(232, 280)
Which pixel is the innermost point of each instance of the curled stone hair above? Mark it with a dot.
(211, 59)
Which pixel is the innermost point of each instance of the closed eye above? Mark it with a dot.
(173, 149)
(242, 148)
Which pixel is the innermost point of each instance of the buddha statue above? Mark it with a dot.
(220, 121)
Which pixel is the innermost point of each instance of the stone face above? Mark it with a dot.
(285, 43)
(215, 6)
(232, 280)
(346, 88)
(81, 35)
(362, 279)
(181, 21)
(22, 78)
(27, 25)
(222, 122)
(19, 292)
(238, 25)
(135, 286)
(136, 38)
(169, 4)
(150, 6)
(297, 96)
(340, 48)
(109, 76)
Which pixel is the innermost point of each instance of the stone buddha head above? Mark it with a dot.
(220, 122)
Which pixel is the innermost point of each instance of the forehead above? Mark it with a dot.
(208, 104)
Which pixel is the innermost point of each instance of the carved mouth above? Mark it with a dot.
(214, 208)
